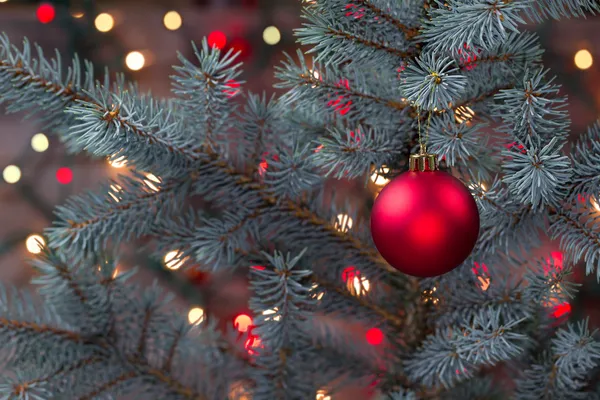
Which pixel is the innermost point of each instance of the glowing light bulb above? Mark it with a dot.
(595, 204)
(271, 35)
(377, 178)
(135, 60)
(359, 285)
(39, 142)
(343, 223)
(11, 174)
(172, 20)
(374, 336)
(115, 191)
(33, 244)
(149, 182)
(583, 59)
(242, 322)
(272, 311)
(104, 22)
(322, 395)
(173, 260)
(485, 283)
(196, 315)
(77, 14)
(119, 162)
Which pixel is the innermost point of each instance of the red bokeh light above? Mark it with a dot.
(217, 39)
(258, 267)
(561, 309)
(242, 322)
(350, 273)
(45, 13)
(64, 175)
(242, 46)
(374, 336)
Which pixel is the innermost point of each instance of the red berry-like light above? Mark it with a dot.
(242, 322)
(374, 336)
(64, 175)
(45, 13)
(217, 39)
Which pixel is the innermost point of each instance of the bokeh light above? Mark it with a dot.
(196, 315)
(104, 22)
(217, 39)
(45, 13)
(242, 322)
(135, 60)
(11, 174)
(583, 59)
(172, 20)
(32, 243)
(271, 35)
(39, 142)
(64, 175)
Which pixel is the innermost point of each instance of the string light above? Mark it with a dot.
(377, 176)
(322, 395)
(272, 311)
(135, 60)
(485, 282)
(343, 223)
(149, 182)
(115, 191)
(173, 260)
(11, 174)
(314, 293)
(45, 13)
(583, 59)
(172, 20)
(39, 142)
(119, 162)
(242, 322)
(77, 14)
(217, 39)
(116, 273)
(271, 35)
(64, 175)
(104, 22)
(238, 391)
(196, 315)
(34, 244)
(595, 204)
(463, 114)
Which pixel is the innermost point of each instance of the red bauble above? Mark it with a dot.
(425, 223)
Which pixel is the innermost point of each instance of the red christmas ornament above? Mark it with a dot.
(425, 222)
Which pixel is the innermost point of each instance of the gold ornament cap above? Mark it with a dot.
(423, 162)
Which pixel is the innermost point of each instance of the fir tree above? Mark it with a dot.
(463, 70)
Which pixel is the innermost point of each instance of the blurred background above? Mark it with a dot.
(141, 38)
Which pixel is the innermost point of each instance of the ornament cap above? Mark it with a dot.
(423, 162)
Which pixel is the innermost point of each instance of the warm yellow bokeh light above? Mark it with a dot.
(583, 59)
(11, 174)
(173, 260)
(595, 204)
(343, 223)
(322, 395)
(32, 244)
(272, 311)
(152, 178)
(104, 22)
(196, 315)
(119, 162)
(39, 142)
(271, 35)
(172, 20)
(135, 60)
(3, 1)
(377, 178)
(359, 285)
(77, 14)
(463, 114)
